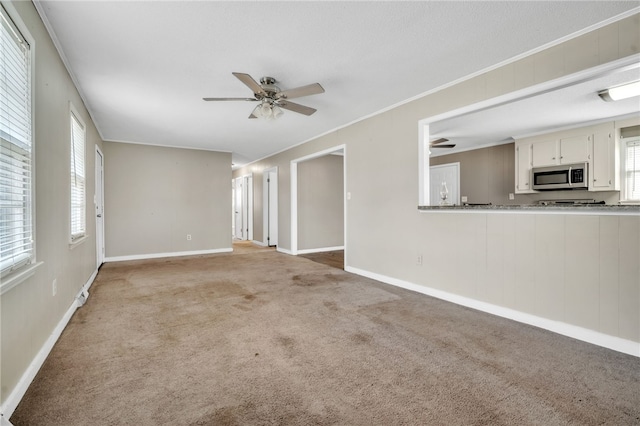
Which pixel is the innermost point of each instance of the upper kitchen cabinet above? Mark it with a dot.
(605, 165)
(523, 167)
(575, 149)
(561, 150)
(544, 152)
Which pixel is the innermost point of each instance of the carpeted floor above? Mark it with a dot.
(263, 338)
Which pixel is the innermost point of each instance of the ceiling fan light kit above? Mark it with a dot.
(272, 99)
(266, 111)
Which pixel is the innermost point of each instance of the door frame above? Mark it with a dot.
(294, 195)
(98, 199)
(270, 207)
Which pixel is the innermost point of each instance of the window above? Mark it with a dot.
(16, 221)
(78, 216)
(631, 147)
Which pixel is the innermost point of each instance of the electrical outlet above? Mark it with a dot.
(511, 196)
(54, 286)
(463, 198)
(188, 237)
(419, 260)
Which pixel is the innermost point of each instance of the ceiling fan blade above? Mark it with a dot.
(250, 83)
(252, 116)
(301, 109)
(229, 99)
(437, 141)
(443, 146)
(298, 92)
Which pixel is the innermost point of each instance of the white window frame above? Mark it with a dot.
(16, 268)
(77, 177)
(626, 190)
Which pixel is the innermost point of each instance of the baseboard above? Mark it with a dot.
(161, 255)
(283, 250)
(590, 336)
(320, 250)
(14, 398)
(259, 243)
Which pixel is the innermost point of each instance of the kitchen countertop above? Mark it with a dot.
(537, 208)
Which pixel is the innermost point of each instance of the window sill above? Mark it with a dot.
(77, 242)
(18, 277)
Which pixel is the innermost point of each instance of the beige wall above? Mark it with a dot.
(465, 253)
(321, 202)
(155, 196)
(486, 174)
(29, 311)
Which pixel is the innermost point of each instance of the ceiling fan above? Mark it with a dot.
(272, 98)
(436, 143)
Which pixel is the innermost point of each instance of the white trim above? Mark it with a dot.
(161, 255)
(259, 243)
(294, 207)
(590, 336)
(14, 398)
(266, 213)
(99, 231)
(167, 146)
(320, 250)
(284, 250)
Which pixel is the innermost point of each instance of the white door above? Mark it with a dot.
(247, 211)
(238, 208)
(448, 174)
(270, 207)
(99, 203)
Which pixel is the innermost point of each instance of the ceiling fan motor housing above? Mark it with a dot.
(269, 86)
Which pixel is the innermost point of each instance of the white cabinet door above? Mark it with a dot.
(523, 168)
(603, 168)
(544, 153)
(575, 149)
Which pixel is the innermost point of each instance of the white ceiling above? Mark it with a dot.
(144, 67)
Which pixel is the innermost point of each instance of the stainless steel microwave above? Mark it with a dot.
(561, 177)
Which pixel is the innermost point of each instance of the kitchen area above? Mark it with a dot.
(569, 148)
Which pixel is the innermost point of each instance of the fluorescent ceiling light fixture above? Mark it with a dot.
(621, 92)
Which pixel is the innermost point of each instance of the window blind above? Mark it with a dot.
(78, 217)
(16, 231)
(632, 169)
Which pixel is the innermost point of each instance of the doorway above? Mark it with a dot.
(99, 204)
(270, 207)
(243, 208)
(295, 208)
